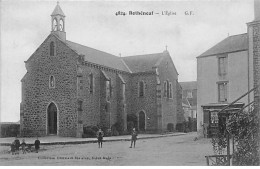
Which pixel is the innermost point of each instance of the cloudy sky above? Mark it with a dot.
(25, 25)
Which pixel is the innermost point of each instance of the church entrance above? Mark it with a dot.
(141, 122)
(52, 119)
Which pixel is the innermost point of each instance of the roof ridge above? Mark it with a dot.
(93, 48)
(143, 55)
(236, 35)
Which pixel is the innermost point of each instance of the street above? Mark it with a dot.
(166, 151)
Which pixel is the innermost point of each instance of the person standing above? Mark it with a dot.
(23, 146)
(100, 135)
(37, 144)
(17, 145)
(13, 147)
(134, 138)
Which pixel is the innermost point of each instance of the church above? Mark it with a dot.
(69, 86)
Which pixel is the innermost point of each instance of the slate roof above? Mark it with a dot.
(188, 85)
(99, 57)
(230, 44)
(143, 63)
(57, 11)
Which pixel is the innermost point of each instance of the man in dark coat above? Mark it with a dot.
(17, 145)
(37, 144)
(134, 138)
(100, 136)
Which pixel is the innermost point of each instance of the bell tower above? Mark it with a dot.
(58, 22)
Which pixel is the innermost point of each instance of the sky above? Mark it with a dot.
(24, 25)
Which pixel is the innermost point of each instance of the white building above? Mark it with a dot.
(224, 73)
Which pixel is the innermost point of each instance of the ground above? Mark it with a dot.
(174, 150)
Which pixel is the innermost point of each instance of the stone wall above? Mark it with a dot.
(37, 94)
(78, 106)
(147, 103)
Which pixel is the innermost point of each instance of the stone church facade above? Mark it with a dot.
(68, 86)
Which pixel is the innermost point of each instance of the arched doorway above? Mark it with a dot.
(141, 122)
(52, 119)
(170, 127)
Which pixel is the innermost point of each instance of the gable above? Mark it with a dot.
(143, 63)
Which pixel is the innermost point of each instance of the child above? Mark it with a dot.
(134, 138)
(37, 144)
(100, 135)
(23, 146)
(13, 148)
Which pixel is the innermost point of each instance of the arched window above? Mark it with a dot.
(52, 82)
(54, 25)
(61, 25)
(52, 48)
(170, 95)
(108, 89)
(168, 90)
(165, 89)
(141, 89)
(123, 91)
(91, 83)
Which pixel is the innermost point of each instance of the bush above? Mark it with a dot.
(10, 130)
(180, 127)
(89, 131)
(130, 126)
(119, 127)
(114, 131)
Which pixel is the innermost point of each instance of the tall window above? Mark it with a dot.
(52, 82)
(222, 65)
(91, 83)
(61, 25)
(222, 92)
(170, 87)
(123, 91)
(165, 89)
(52, 49)
(141, 89)
(108, 90)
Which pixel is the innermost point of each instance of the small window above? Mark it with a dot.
(222, 92)
(141, 89)
(189, 94)
(52, 82)
(91, 83)
(80, 102)
(52, 48)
